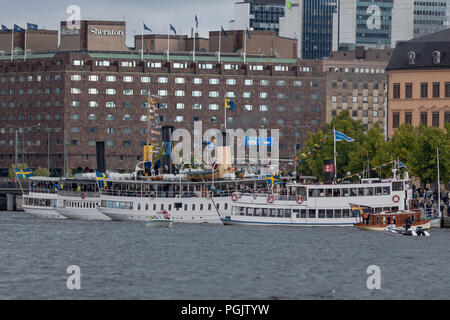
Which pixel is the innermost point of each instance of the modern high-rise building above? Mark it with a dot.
(311, 23)
(260, 15)
(381, 23)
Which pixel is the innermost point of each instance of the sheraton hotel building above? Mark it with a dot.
(75, 87)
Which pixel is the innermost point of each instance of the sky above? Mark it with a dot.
(156, 14)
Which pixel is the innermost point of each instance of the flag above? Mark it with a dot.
(229, 104)
(248, 33)
(23, 173)
(31, 26)
(360, 210)
(147, 28)
(223, 31)
(173, 29)
(271, 179)
(18, 29)
(101, 179)
(402, 165)
(5, 29)
(196, 21)
(338, 136)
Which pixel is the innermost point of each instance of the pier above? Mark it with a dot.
(11, 196)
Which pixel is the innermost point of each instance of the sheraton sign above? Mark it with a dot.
(111, 32)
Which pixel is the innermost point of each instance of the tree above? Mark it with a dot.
(12, 172)
(41, 172)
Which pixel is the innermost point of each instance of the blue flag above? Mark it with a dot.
(402, 165)
(271, 179)
(147, 28)
(31, 26)
(23, 173)
(173, 29)
(196, 21)
(5, 29)
(101, 179)
(229, 104)
(18, 29)
(338, 136)
(223, 31)
(248, 33)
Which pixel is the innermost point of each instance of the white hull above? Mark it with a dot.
(82, 214)
(46, 213)
(160, 223)
(435, 222)
(290, 222)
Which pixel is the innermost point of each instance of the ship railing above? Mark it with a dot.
(79, 194)
(164, 194)
(279, 197)
(42, 190)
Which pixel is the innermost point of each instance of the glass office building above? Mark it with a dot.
(265, 15)
(374, 22)
(430, 16)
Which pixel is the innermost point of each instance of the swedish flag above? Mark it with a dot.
(229, 104)
(101, 179)
(271, 179)
(23, 173)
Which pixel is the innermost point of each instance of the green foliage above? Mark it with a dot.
(12, 172)
(41, 172)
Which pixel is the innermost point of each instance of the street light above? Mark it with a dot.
(23, 142)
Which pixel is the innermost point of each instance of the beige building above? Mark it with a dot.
(356, 82)
(419, 82)
(178, 43)
(36, 41)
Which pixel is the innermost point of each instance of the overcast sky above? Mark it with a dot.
(156, 14)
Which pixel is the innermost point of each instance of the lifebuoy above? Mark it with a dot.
(234, 197)
(300, 199)
(270, 199)
(152, 195)
(83, 195)
(396, 198)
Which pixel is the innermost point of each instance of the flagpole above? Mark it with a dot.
(438, 184)
(12, 44)
(25, 45)
(220, 41)
(225, 112)
(142, 48)
(335, 165)
(245, 46)
(168, 44)
(195, 33)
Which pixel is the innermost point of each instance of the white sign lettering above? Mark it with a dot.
(111, 32)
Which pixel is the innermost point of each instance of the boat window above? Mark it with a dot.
(321, 213)
(353, 192)
(250, 211)
(344, 192)
(280, 212)
(273, 212)
(386, 209)
(328, 192)
(303, 213)
(218, 206)
(287, 213)
(139, 206)
(296, 213)
(378, 220)
(170, 207)
(241, 211)
(345, 213)
(329, 213)
(378, 210)
(369, 191)
(395, 209)
(193, 207)
(388, 220)
(265, 212)
(320, 193)
(397, 186)
(301, 191)
(209, 206)
(201, 207)
(386, 190)
(378, 191)
(226, 206)
(154, 207)
(146, 206)
(258, 212)
(312, 192)
(337, 213)
(312, 213)
(336, 193)
(361, 192)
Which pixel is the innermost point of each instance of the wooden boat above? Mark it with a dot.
(379, 221)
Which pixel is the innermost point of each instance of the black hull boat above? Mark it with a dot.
(401, 231)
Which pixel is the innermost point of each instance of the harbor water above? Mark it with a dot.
(123, 260)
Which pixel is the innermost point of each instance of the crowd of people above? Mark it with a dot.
(428, 201)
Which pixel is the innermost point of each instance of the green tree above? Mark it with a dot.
(12, 172)
(41, 172)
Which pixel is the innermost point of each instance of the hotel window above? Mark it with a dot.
(314, 84)
(145, 79)
(163, 80)
(110, 91)
(78, 62)
(75, 91)
(178, 65)
(231, 82)
(375, 99)
(127, 117)
(197, 106)
(92, 117)
(93, 104)
(281, 83)
(231, 66)
(143, 118)
(75, 77)
(281, 68)
(128, 79)
(230, 94)
(179, 80)
(128, 63)
(264, 82)
(127, 144)
(75, 129)
(179, 93)
(110, 104)
(145, 92)
(111, 78)
(447, 89)
(74, 116)
(196, 93)
(436, 87)
(408, 117)
(109, 143)
(92, 91)
(213, 94)
(424, 118)
(396, 91)
(180, 106)
(154, 64)
(298, 83)
(247, 95)
(162, 93)
(248, 82)
(263, 95)
(208, 66)
(333, 99)
(197, 81)
(281, 96)
(447, 117)
(93, 78)
(424, 90)
(213, 119)
(102, 63)
(128, 92)
(435, 119)
(256, 67)
(248, 107)
(214, 81)
(214, 106)
(93, 129)
(408, 90)
(75, 104)
(110, 117)
(179, 119)
(263, 108)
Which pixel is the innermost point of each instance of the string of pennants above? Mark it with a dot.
(359, 174)
(316, 147)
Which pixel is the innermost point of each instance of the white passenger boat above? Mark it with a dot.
(300, 204)
(42, 197)
(161, 219)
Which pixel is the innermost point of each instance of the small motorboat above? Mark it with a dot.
(402, 231)
(161, 219)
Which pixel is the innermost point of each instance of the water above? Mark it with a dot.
(131, 261)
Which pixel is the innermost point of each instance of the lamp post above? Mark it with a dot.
(17, 142)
